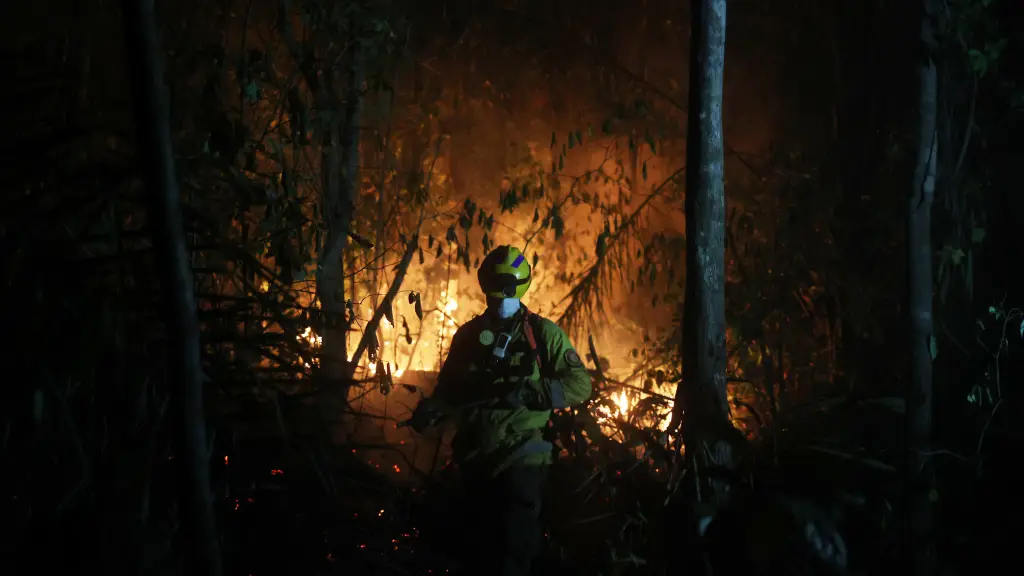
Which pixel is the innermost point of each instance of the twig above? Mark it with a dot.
(579, 295)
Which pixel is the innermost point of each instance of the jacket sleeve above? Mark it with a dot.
(568, 382)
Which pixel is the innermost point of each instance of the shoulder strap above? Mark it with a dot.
(532, 321)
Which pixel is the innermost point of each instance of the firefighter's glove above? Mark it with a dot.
(425, 416)
(531, 394)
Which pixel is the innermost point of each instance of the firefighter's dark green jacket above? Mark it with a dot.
(491, 435)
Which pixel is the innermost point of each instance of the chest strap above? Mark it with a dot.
(528, 331)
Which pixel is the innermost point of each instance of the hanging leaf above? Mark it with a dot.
(606, 126)
(418, 307)
(252, 92)
(371, 346)
(420, 251)
(430, 241)
(537, 258)
(384, 377)
(644, 171)
(412, 297)
(650, 142)
(554, 139)
(405, 328)
(389, 311)
(571, 141)
(362, 241)
(439, 251)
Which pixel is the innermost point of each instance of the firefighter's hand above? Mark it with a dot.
(518, 395)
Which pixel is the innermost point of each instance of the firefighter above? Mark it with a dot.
(506, 370)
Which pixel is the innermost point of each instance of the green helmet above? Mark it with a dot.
(505, 273)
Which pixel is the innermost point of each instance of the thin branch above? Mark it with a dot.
(582, 295)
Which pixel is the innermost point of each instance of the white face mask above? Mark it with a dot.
(508, 307)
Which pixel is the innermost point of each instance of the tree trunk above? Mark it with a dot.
(165, 221)
(340, 176)
(919, 305)
(702, 394)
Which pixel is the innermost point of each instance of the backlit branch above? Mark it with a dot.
(582, 299)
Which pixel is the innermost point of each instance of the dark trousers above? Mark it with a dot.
(503, 520)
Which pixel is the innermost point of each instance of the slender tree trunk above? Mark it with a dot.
(165, 221)
(919, 306)
(702, 393)
(340, 183)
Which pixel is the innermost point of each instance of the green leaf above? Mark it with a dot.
(644, 171)
(606, 126)
(554, 139)
(979, 62)
(977, 235)
(571, 141)
(252, 92)
(933, 346)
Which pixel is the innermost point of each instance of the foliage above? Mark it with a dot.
(89, 456)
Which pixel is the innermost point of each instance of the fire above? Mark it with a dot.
(624, 405)
(314, 339)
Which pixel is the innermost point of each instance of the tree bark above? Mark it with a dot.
(919, 293)
(702, 394)
(166, 226)
(340, 177)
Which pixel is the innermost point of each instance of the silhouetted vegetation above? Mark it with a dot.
(343, 166)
